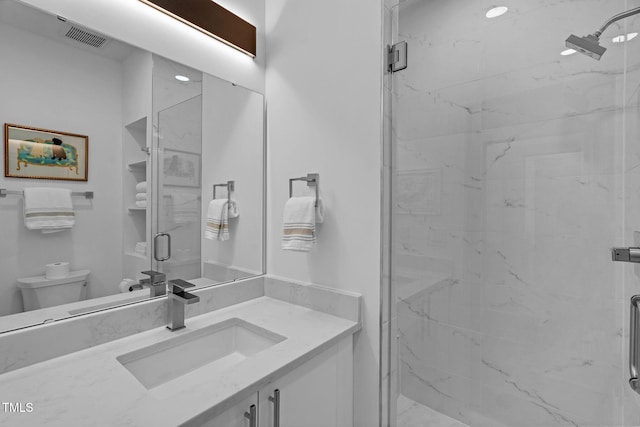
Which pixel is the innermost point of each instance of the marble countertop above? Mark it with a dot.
(90, 387)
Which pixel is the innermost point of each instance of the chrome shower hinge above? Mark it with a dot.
(397, 57)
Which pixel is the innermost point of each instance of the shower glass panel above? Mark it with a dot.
(177, 103)
(513, 171)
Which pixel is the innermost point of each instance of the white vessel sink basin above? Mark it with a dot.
(218, 347)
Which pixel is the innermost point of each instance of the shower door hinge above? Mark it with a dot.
(397, 57)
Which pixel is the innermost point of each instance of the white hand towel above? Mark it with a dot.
(141, 187)
(48, 209)
(233, 209)
(141, 203)
(141, 196)
(217, 226)
(299, 224)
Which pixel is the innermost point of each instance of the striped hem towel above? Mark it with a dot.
(217, 225)
(48, 209)
(299, 225)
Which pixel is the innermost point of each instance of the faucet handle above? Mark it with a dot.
(155, 276)
(179, 285)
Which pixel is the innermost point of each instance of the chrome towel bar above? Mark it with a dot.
(231, 186)
(86, 194)
(312, 179)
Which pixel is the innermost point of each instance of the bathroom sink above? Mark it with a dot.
(218, 347)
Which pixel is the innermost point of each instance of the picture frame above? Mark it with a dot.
(37, 153)
(181, 169)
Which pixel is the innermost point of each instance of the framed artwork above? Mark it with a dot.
(45, 154)
(181, 168)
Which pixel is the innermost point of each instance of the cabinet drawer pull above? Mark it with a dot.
(251, 416)
(276, 407)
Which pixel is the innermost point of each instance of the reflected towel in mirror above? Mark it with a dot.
(48, 209)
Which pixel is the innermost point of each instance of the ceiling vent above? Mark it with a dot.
(86, 37)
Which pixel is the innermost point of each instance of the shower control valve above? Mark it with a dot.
(625, 254)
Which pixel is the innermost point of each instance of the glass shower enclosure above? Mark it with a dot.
(512, 168)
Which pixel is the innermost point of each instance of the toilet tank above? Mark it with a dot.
(40, 292)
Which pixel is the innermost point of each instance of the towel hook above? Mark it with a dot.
(312, 179)
(231, 186)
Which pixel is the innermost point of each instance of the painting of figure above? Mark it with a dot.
(45, 154)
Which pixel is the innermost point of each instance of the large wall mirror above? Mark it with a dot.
(163, 139)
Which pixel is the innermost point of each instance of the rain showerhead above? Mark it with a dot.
(587, 45)
(590, 45)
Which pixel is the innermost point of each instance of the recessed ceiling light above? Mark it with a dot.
(568, 52)
(622, 38)
(497, 11)
(182, 78)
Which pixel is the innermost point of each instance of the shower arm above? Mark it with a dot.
(615, 18)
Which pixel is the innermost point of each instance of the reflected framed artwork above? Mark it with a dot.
(181, 168)
(45, 154)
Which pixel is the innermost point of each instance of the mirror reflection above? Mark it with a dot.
(162, 137)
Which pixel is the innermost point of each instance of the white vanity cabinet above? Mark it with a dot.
(318, 393)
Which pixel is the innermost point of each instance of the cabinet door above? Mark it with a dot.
(235, 416)
(319, 393)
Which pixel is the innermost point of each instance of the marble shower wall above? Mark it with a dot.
(515, 170)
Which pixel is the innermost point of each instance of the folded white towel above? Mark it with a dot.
(299, 224)
(141, 248)
(141, 203)
(141, 187)
(48, 209)
(141, 196)
(217, 226)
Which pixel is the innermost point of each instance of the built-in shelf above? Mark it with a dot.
(135, 255)
(137, 209)
(138, 166)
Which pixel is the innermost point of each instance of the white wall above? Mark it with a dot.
(40, 89)
(233, 145)
(323, 84)
(149, 29)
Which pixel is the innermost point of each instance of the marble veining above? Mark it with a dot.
(539, 158)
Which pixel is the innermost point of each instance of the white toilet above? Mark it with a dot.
(40, 292)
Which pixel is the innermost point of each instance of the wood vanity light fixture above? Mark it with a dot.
(213, 20)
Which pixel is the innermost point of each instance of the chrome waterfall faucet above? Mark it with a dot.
(178, 298)
(157, 283)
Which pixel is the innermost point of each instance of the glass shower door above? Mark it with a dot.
(514, 170)
(177, 101)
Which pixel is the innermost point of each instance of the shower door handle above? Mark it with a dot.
(155, 246)
(634, 382)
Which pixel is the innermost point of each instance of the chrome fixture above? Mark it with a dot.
(178, 299)
(156, 245)
(231, 186)
(251, 415)
(157, 283)
(86, 194)
(312, 179)
(275, 399)
(633, 345)
(590, 45)
(625, 254)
